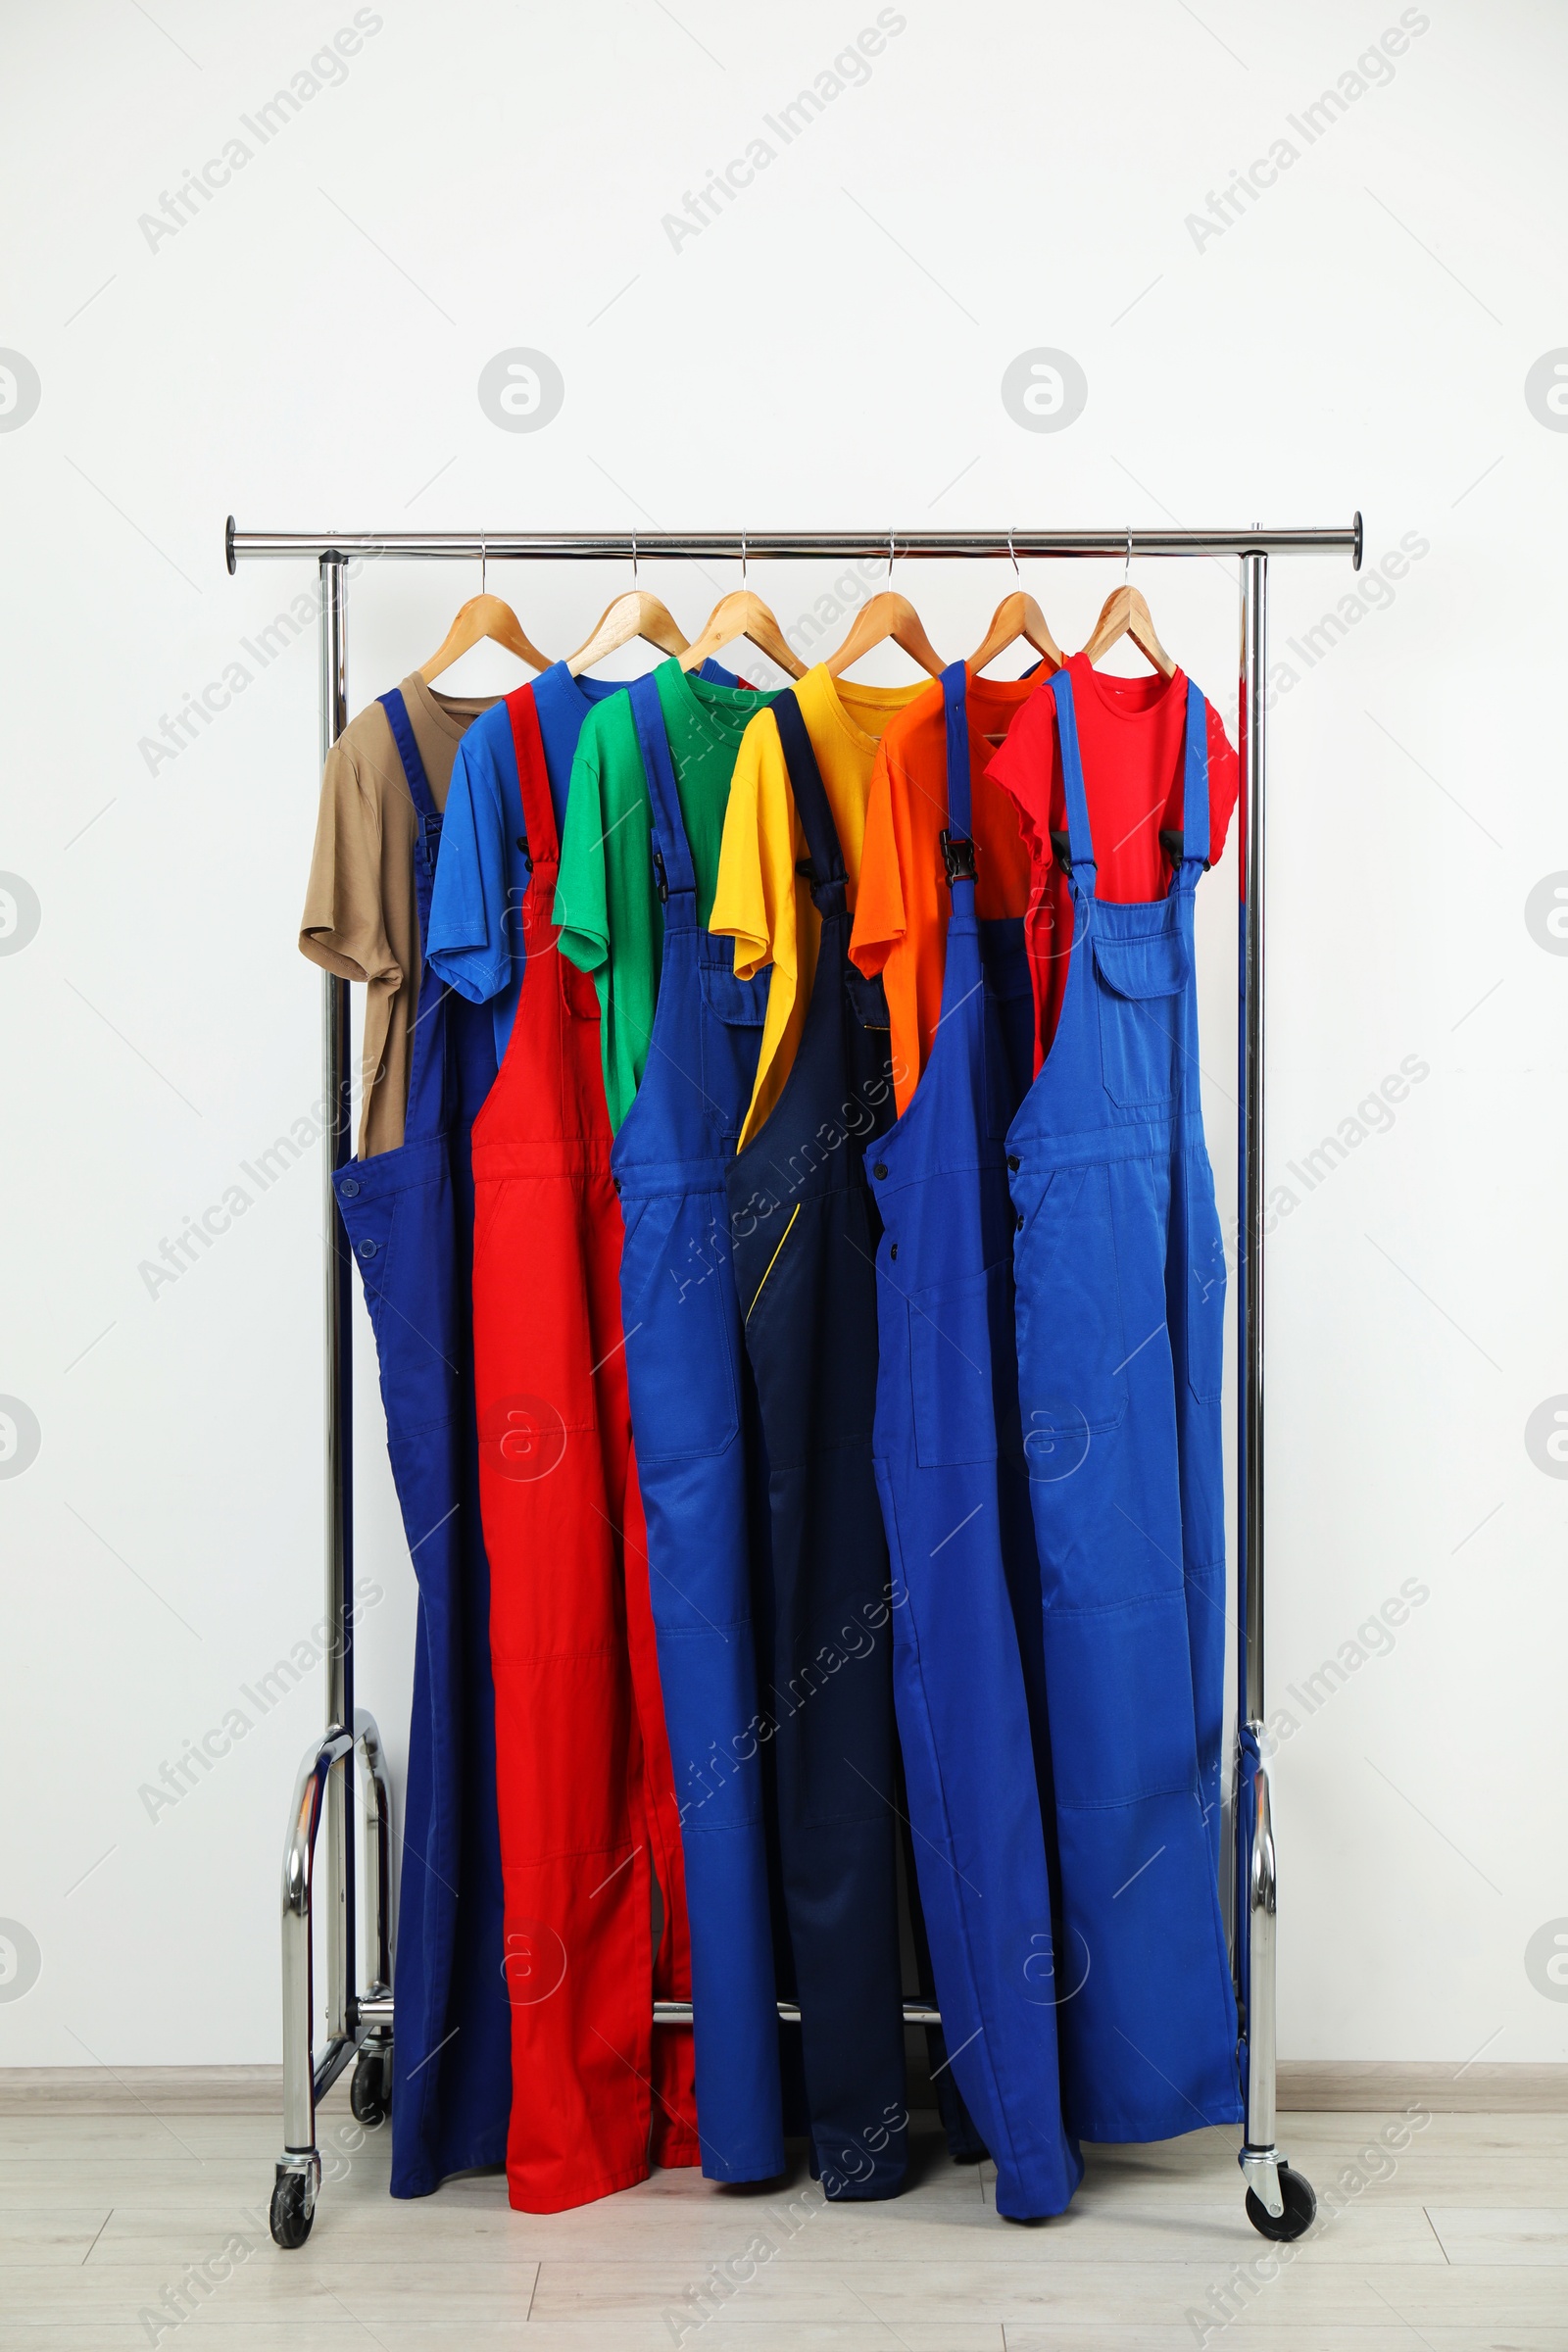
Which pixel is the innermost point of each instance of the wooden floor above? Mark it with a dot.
(1458, 2243)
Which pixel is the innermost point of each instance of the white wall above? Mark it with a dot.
(829, 351)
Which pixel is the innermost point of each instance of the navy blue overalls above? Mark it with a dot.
(409, 1216)
(1120, 1272)
(805, 1235)
(694, 1427)
(956, 1499)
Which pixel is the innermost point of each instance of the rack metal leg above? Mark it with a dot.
(370, 2092)
(356, 2028)
(1279, 2202)
(366, 2034)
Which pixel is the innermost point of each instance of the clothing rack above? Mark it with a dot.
(360, 2025)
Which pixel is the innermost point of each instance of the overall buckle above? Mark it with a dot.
(660, 878)
(1173, 841)
(957, 855)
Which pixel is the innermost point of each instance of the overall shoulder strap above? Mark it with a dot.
(533, 782)
(1195, 783)
(828, 877)
(1080, 841)
(958, 834)
(397, 712)
(673, 856)
(426, 1110)
(419, 793)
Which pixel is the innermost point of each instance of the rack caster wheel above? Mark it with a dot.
(371, 2090)
(293, 2208)
(1301, 2208)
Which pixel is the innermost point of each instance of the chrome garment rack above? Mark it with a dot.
(1280, 2202)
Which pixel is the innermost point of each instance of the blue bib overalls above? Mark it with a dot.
(1120, 1274)
(955, 1500)
(703, 1485)
(409, 1217)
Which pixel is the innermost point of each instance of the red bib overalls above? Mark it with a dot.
(588, 1815)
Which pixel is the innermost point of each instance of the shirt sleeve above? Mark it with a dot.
(582, 902)
(755, 901)
(880, 920)
(468, 943)
(343, 929)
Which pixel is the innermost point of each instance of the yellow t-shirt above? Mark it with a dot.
(762, 902)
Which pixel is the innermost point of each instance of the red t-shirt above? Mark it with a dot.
(1132, 738)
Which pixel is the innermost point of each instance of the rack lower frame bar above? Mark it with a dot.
(361, 2027)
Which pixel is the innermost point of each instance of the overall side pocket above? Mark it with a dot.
(954, 1328)
(1072, 1371)
(677, 1288)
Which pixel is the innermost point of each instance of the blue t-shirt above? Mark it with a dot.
(481, 873)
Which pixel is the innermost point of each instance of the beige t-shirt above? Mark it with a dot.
(362, 913)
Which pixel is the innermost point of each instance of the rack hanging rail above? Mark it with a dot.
(1280, 2202)
(619, 547)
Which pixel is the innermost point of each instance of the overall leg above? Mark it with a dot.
(811, 1337)
(1147, 2043)
(1195, 1300)
(579, 1954)
(449, 2058)
(693, 1474)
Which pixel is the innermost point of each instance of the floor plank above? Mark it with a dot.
(1534, 2234)
(115, 2225)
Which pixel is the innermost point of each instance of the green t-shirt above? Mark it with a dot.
(607, 898)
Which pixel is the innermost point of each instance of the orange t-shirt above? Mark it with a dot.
(901, 906)
(1132, 738)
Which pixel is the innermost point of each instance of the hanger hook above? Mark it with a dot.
(483, 565)
(743, 559)
(890, 559)
(634, 559)
(1014, 553)
(1127, 568)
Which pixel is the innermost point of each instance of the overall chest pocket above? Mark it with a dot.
(733, 1011)
(867, 999)
(1142, 983)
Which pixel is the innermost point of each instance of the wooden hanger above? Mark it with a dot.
(1124, 613)
(888, 615)
(743, 613)
(480, 618)
(1017, 615)
(626, 618)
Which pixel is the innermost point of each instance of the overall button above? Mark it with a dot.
(892, 1250)
(1014, 1162)
(616, 1181)
(366, 1248)
(1018, 1223)
(880, 1169)
(351, 1186)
